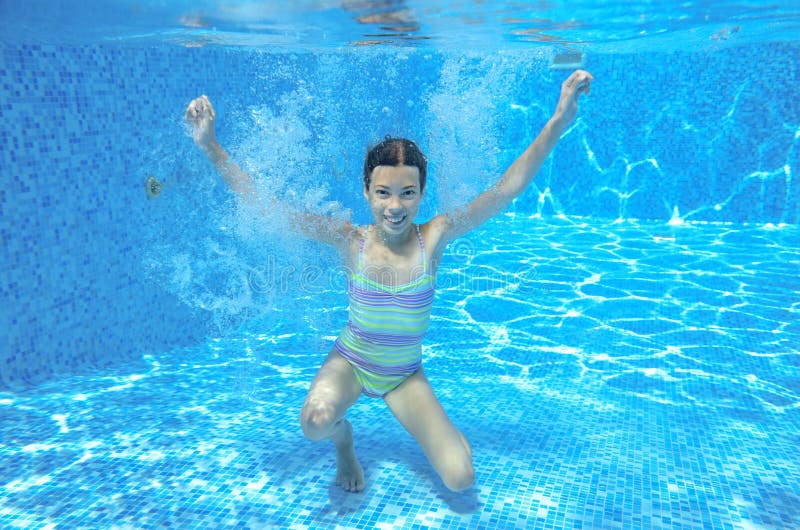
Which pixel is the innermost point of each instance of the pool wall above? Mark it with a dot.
(709, 136)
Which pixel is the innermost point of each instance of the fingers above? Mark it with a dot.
(585, 84)
(198, 108)
(579, 82)
(192, 110)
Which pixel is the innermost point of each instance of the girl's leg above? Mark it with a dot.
(415, 405)
(333, 391)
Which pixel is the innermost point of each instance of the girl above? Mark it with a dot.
(391, 286)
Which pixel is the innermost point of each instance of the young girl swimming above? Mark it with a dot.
(393, 265)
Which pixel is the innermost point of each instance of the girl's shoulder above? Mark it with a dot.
(433, 234)
(358, 232)
(349, 232)
(350, 241)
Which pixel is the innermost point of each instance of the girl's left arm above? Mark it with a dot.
(517, 177)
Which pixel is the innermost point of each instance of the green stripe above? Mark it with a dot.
(385, 354)
(392, 288)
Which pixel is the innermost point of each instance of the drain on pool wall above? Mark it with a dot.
(153, 187)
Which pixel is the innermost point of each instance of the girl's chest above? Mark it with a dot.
(390, 268)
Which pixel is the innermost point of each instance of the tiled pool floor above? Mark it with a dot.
(587, 404)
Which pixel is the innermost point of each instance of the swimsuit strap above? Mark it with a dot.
(364, 240)
(422, 248)
(361, 249)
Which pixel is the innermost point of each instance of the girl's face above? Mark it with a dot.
(393, 197)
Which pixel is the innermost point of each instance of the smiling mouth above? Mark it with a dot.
(395, 220)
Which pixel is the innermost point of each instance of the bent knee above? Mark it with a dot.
(317, 419)
(459, 476)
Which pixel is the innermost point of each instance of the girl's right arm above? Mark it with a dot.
(200, 115)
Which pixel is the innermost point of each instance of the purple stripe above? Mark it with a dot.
(375, 298)
(384, 301)
(403, 309)
(387, 294)
(387, 339)
(402, 369)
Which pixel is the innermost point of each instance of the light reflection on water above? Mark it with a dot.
(602, 27)
(667, 318)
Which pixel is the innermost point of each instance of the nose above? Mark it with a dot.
(395, 203)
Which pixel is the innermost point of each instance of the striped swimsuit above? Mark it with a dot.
(383, 336)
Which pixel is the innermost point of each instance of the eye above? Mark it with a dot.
(410, 193)
(381, 193)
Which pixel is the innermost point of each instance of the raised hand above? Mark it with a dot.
(200, 116)
(579, 82)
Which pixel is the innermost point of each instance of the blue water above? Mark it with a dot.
(620, 346)
(635, 376)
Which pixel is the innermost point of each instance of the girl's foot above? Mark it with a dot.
(349, 475)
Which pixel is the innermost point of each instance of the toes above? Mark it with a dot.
(351, 485)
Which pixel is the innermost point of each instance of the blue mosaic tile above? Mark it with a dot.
(651, 427)
(645, 375)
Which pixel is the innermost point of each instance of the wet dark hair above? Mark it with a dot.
(395, 152)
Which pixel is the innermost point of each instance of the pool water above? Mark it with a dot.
(621, 346)
(641, 376)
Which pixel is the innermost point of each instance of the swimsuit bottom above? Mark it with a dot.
(379, 367)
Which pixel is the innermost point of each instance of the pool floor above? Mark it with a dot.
(630, 376)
